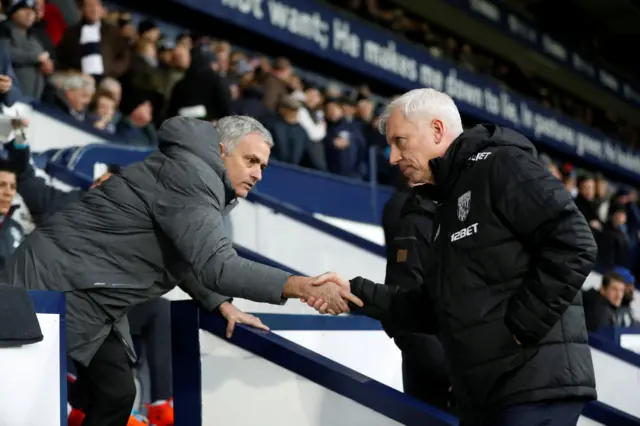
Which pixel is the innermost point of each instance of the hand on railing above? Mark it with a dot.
(235, 316)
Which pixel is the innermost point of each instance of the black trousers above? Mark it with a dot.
(150, 324)
(105, 390)
(550, 413)
(424, 369)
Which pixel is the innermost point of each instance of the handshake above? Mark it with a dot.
(326, 293)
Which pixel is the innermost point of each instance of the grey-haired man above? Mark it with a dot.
(141, 233)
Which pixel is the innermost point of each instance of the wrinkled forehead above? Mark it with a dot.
(398, 125)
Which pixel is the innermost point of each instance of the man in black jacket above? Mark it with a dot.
(502, 281)
(141, 233)
(409, 234)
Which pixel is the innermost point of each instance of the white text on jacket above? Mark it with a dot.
(464, 232)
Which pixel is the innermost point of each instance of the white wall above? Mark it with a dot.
(30, 379)
(242, 389)
(300, 246)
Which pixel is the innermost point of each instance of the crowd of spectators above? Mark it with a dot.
(125, 79)
(507, 73)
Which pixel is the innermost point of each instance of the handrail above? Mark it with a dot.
(302, 361)
(306, 363)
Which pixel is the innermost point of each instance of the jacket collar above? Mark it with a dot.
(448, 168)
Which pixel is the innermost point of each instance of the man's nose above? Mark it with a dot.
(257, 175)
(394, 156)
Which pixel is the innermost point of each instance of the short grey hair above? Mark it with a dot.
(234, 128)
(425, 104)
(78, 81)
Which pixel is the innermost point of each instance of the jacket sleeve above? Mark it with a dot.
(541, 213)
(206, 298)
(398, 309)
(40, 198)
(194, 225)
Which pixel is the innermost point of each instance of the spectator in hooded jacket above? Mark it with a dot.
(502, 281)
(343, 142)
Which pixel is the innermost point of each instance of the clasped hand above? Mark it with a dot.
(330, 293)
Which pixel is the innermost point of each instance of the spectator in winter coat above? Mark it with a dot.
(613, 241)
(602, 307)
(343, 142)
(290, 139)
(202, 93)
(31, 62)
(586, 202)
(502, 281)
(136, 126)
(93, 46)
(11, 233)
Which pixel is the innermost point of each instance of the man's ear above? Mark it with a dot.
(222, 149)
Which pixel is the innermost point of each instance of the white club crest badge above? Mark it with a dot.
(464, 202)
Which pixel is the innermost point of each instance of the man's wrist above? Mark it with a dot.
(224, 307)
(294, 287)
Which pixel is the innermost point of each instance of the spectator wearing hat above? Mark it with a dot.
(31, 62)
(136, 125)
(148, 30)
(628, 315)
(344, 141)
(290, 139)
(92, 46)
